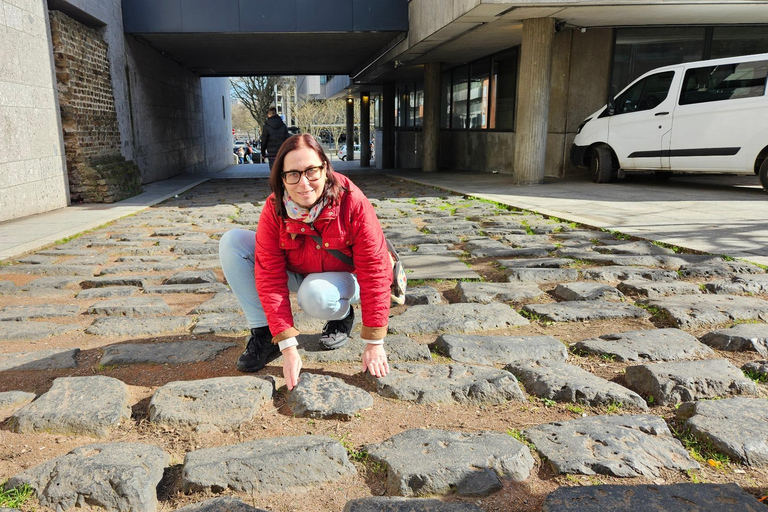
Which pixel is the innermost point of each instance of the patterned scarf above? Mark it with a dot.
(298, 212)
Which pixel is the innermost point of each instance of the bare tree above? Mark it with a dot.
(256, 93)
(243, 121)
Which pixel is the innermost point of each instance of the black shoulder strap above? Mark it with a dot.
(335, 253)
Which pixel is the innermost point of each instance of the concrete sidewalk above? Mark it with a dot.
(716, 214)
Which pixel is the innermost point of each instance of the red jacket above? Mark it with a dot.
(351, 226)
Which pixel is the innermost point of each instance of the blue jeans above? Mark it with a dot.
(325, 295)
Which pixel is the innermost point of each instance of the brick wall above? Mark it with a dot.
(97, 171)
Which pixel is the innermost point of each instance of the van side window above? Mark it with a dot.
(724, 82)
(646, 94)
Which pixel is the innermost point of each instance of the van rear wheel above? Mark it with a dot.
(764, 174)
(601, 164)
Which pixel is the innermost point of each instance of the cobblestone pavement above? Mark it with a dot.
(616, 373)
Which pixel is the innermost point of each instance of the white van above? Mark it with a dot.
(697, 117)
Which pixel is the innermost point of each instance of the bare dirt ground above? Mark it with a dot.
(386, 418)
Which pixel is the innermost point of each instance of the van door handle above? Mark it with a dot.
(657, 114)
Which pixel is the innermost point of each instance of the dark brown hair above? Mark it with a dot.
(303, 140)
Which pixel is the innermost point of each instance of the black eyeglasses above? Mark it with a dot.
(312, 174)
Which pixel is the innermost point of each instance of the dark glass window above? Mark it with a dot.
(503, 90)
(445, 101)
(459, 97)
(417, 106)
(733, 41)
(645, 94)
(478, 93)
(724, 82)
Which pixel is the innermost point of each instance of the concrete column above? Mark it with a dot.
(533, 100)
(388, 126)
(431, 129)
(365, 129)
(350, 130)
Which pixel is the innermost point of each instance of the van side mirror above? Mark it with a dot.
(611, 103)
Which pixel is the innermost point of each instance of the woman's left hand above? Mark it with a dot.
(375, 360)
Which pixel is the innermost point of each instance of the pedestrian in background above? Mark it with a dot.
(273, 134)
(318, 236)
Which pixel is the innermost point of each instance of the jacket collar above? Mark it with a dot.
(329, 213)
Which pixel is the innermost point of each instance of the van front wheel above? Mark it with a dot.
(601, 164)
(764, 174)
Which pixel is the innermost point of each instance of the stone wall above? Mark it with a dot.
(33, 176)
(97, 171)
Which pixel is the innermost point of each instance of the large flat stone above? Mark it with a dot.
(623, 273)
(719, 268)
(579, 311)
(323, 396)
(15, 398)
(49, 270)
(24, 331)
(280, 464)
(536, 263)
(398, 504)
(53, 359)
(221, 323)
(739, 338)
(684, 381)
(697, 497)
(119, 326)
(458, 383)
(568, 383)
(654, 290)
(623, 446)
(222, 504)
(399, 348)
(581, 290)
(490, 350)
(200, 403)
(633, 248)
(541, 275)
(455, 318)
(222, 302)
(486, 293)
(737, 427)
(115, 477)
(192, 277)
(186, 288)
(435, 266)
(648, 345)
(172, 352)
(20, 313)
(133, 306)
(76, 405)
(468, 463)
(689, 312)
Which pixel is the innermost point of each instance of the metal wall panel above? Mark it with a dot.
(378, 15)
(207, 16)
(152, 16)
(268, 16)
(325, 16)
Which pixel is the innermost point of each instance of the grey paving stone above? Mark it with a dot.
(455, 318)
(221, 323)
(399, 348)
(221, 403)
(108, 292)
(654, 290)
(719, 268)
(53, 359)
(459, 383)
(541, 275)
(20, 313)
(469, 463)
(536, 263)
(48, 283)
(117, 326)
(15, 398)
(454, 226)
(171, 352)
(323, 396)
(581, 290)
(641, 498)
(490, 350)
(196, 248)
(528, 240)
(280, 464)
(100, 282)
(116, 477)
(740, 284)
(758, 367)
(437, 249)
(192, 277)
(398, 504)
(133, 306)
(67, 251)
(579, 311)
(622, 273)
(222, 504)
(648, 345)
(737, 427)
(739, 338)
(622, 446)
(568, 383)
(49, 270)
(76, 405)
(689, 312)
(436, 266)
(489, 248)
(138, 268)
(8, 288)
(24, 331)
(96, 259)
(584, 234)
(222, 302)
(186, 288)
(422, 295)
(486, 293)
(683, 381)
(633, 248)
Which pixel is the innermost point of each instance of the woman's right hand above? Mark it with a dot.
(291, 366)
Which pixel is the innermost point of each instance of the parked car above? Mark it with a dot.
(343, 152)
(696, 117)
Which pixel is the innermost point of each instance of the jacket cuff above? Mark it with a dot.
(373, 333)
(291, 332)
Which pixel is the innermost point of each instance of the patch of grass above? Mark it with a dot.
(578, 351)
(756, 376)
(614, 407)
(655, 311)
(693, 476)
(701, 450)
(517, 434)
(619, 235)
(535, 317)
(15, 497)
(727, 258)
(575, 409)
(608, 357)
(548, 402)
